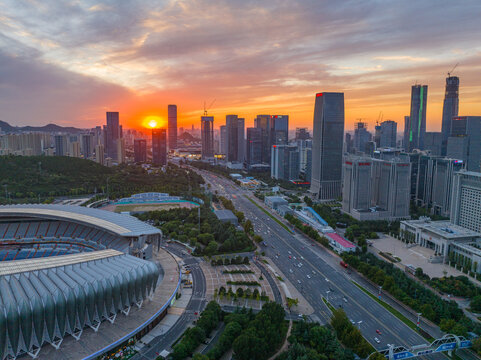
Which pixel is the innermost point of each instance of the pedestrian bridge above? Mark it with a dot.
(448, 342)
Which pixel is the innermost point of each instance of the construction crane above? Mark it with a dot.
(455, 66)
(379, 118)
(205, 109)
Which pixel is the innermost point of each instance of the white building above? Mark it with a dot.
(466, 200)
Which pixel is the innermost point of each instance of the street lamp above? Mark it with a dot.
(359, 324)
(417, 322)
(327, 293)
(379, 293)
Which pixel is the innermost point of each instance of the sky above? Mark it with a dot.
(68, 62)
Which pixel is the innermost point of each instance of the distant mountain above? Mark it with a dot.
(6, 127)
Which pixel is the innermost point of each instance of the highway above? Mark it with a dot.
(312, 271)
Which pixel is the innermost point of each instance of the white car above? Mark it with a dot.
(299, 281)
(290, 270)
(377, 340)
(308, 276)
(289, 251)
(353, 322)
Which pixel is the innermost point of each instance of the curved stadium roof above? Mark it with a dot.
(120, 224)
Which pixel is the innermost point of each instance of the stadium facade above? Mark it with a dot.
(64, 269)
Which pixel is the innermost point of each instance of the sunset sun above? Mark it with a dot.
(152, 123)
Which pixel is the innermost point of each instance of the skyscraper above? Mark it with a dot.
(223, 140)
(406, 134)
(159, 147)
(285, 162)
(235, 139)
(388, 134)
(254, 146)
(417, 118)
(280, 130)
(327, 146)
(112, 132)
(87, 145)
(207, 136)
(265, 124)
(60, 145)
(172, 126)
(356, 192)
(464, 142)
(140, 150)
(450, 109)
(361, 136)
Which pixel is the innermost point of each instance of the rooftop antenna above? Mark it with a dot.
(205, 109)
(455, 66)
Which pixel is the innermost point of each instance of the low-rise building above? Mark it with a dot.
(441, 236)
(283, 210)
(339, 243)
(226, 216)
(275, 201)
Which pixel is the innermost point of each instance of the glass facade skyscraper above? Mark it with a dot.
(450, 109)
(417, 119)
(172, 126)
(327, 144)
(207, 136)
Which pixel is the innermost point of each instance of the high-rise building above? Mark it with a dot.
(223, 140)
(285, 162)
(327, 146)
(207, 136)
(361, 136)
(265, 124)
(376, 189)
(172, 126)
(302, 134)
(74, 149)
(308, 169)
(61, 145)
(348, 143)
(406, 134)
(466, 200)
(87, 145)
(120, 151)
(280, 131)
(388, 133)
(159, 147)
(433, 142)
(356, 191)
(254, 146)
(417, 118)
(450, 109)
(112, 132)
(303, 146)
(465, 141)
(140, 150)
(434, 183)
(235, 143)
(390, 184)
(99, 154)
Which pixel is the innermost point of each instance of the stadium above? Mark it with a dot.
(65, 271)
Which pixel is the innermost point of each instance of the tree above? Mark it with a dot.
(476, 303)
(211, 249)
(199, 356)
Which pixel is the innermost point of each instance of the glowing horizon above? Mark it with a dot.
(244, 58)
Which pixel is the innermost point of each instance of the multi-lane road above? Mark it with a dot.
(315, 274)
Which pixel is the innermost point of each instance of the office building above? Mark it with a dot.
(285, 162)
(172, 126)
(465, 141)
(327, 144)
(450, 109)
(223, 140)
(159, 147)
(302, 134)
(433, 142)
(361, 136)
(387, 134)
(207, 136)
(235, 139)
(280, 129)
(120, 151)
(434, 183)
(348, 143)
(356, 192)
(417, 118)
(376, 189)
(61, 148)
(254, 146)
(87, 145)
(265, 124)
(405, 144)
(112, 132)
(304, 146)
(466, 200)
(140, 150)
(308, 168)
(99, 154)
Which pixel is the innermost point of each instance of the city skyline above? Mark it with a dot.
(144, 57)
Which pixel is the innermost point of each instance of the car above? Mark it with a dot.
(278, 254)
(308, 276)
(300, 315)
(289, 251)
(353, 322)
(299, 281)
(290, 257)
(290, 270)
(300, 264)
(313, 272)
(378, 331)
(313, 244)
(295, 258)
(345, 299)
(377, 340)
